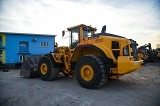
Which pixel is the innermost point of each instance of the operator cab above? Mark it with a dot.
(79, 33)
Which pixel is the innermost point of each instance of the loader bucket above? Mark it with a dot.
(30, 66)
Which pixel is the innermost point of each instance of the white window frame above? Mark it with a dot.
(44, 44)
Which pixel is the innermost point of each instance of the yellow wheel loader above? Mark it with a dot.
(148, 54)
(92, 58)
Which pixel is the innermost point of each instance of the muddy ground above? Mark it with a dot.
(140, 88)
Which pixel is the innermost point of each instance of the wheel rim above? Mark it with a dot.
(87, 72)
(44, 68)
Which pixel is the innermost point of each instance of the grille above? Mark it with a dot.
(134, 47)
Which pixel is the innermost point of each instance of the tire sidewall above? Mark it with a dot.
(95, 81)
(47, 61)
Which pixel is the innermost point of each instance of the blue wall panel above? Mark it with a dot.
(12, 45)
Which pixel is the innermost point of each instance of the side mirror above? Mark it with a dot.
(63, 33)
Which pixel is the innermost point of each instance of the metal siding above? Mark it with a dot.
(11, 48)
(37, 45)
(12, 45)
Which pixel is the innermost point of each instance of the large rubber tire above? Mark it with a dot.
(90, 72)
(47, 71)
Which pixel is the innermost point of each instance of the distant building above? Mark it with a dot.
(15, 46)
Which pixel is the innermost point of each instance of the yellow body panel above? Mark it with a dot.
(104, 43)
(125, 65)
(107, 52)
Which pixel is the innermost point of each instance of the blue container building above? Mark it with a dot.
(14, 47)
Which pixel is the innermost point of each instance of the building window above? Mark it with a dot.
(44, 44)
(23, 46)
(21, 58)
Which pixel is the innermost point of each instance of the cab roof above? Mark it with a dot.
(83, 25)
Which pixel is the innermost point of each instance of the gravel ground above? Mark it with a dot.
(140, 88)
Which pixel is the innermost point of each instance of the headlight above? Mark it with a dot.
(126, 51)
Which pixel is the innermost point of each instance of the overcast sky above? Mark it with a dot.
(134, 19)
